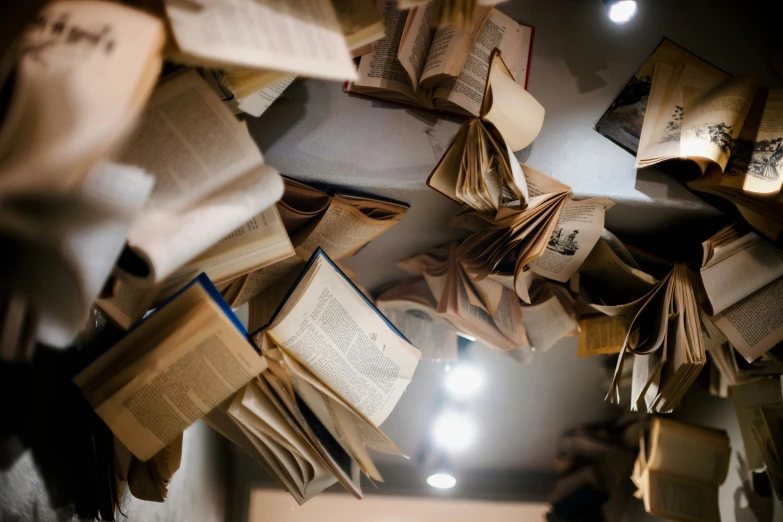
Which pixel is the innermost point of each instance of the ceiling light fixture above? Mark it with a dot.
(441, 481)
(620, 11)
(453, 431)
(463, 381)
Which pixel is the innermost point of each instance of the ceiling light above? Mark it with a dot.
(441, 481)
(463, 381)
(453, 431)
(620, 11)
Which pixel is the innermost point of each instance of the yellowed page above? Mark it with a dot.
(210, 177)
(467, 90)
(579, 227)
(360, 21)
(302, 38)
(754, 324)
(128, 303)
(601, 334)
(87, 70)
(381, 69)
(246, 287)
(259, 242)
(547, 321)
(666, 134)
(207, 364)
(331, 328)
(713, 118)
(609, 285)
(675, 498)
(416, 39)
(510, 108)
(758, 154)
(341, 232)
(690, 452)
(450, 47)
(744, 271)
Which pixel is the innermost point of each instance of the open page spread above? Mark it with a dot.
(333, 332)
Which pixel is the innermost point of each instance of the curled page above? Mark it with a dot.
(510, 108)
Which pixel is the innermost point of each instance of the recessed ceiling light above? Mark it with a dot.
(453, 431)
(620, 11)
(463, 381)
(441, 481)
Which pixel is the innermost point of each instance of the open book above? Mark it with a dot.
(742, 274)
(486, 309)
(479, 168)
(679, 473)
(455, 13)
(729, 127)
(171, 370)
(446, 68)
(260, 243)
(261, 39)
(85, 71)
(665, 337)
(210, 179)
(411, 307)
(337, 369)
(340, 224)
(622, 121)
(552, 234)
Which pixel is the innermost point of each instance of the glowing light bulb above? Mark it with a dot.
(453, 431)
(463, 381)
(621, 12)
(441, 481)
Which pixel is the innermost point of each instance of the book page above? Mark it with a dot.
(467, 89)
(675, 498)
(151, 401)
(742, 273)
(579, 227)
(302, 38)
(713, 119)
(103, 59)
(190, 142)
(609, 285)
(257, 103)
(547, 320)
(341, 232)
(754, 324)
(662, 130)
(427, 331)
(620, 250)
(167, 240)
(512, 110)
(450, 47)
(758, 152)
(335, 334)
(601, 334)
(747, 399)
(416, 39)
(690, 452)
(259, 242)
(128, 303)
(381, 69)
(246, 287)
(360, 21)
